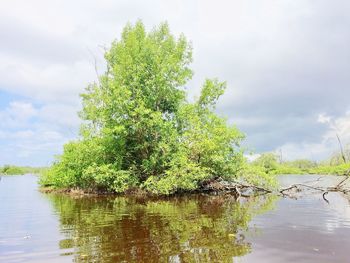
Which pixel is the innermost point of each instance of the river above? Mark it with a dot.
(37, 227)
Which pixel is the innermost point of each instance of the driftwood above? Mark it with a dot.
(239, 189)
(324, 190)
(220, 186)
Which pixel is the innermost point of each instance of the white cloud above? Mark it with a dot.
(312, 151)
(339, 126)
(252, 157)
(284, 61)
(33, 147)
(64, 116)
(317, 151)
(323, 118)
(47, 83)
(34, 135)
(36, 146)
(17, 114)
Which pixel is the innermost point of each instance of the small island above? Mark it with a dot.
(140, 131)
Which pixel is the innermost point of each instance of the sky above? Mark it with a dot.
(286, 63)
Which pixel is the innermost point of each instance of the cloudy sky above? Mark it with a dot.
(286, 62)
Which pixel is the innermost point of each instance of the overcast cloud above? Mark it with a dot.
(286, 62)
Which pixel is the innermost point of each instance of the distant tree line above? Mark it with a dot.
(270, 163)
(20, 170)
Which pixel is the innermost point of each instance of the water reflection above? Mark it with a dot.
(183, 229)
(40, 228)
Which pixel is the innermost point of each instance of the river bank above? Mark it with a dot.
(219, 186)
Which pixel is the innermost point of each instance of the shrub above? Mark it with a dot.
(139, 129)
(107, 178)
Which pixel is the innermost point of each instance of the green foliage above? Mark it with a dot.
(341, 169)
(139, 129)
(11, 170)
(68, 169)
(268, 162)
(20, 170)
(183, 175)
(107, 178)
(302, 164)
(257, 175)
(287, 168)
(335, 164)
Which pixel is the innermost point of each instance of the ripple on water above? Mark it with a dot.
(56, 228)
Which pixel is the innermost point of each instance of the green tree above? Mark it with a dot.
(303, 164)
(11, 170)
(139, 129)
(268, 161)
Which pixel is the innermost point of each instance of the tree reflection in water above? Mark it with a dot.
(183, 229)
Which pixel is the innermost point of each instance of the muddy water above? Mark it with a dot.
(37, 227)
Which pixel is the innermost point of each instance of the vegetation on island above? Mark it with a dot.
(140, 130)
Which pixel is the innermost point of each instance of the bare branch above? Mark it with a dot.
(341, 148)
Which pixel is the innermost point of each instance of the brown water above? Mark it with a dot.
(37, 227)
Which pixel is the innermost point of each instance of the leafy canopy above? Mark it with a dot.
(139, 129)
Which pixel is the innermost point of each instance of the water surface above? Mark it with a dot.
(36, 227)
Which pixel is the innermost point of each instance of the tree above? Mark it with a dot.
(268, 161)
(139, 129)
(303, 164)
